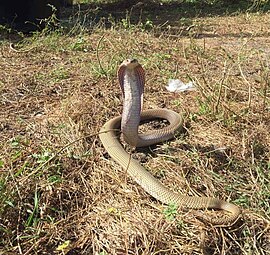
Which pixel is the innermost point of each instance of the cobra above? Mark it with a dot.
(131, 77)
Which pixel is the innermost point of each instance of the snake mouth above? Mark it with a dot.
(130, 63)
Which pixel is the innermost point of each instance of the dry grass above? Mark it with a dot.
(58, 185)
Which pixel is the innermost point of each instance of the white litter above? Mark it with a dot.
(175, 85)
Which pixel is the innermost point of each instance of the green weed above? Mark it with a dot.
(33, 217)
(204, 107)
(4, 195)
(170, 212)
(80, 44)
(59, 73)
(43, 157)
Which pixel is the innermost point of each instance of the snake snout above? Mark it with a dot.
(130, 63)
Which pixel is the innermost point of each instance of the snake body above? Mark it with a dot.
(131, 79)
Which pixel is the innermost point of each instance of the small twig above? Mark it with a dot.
(200, 87)
(220, 88)
(265, 79)
(126, 170)
(17, 229)
(176, 70)
(97, 54)
(248, 83)
(34, 245)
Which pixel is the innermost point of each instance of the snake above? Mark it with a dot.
(131, 77)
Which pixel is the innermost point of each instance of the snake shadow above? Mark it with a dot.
(220, 156)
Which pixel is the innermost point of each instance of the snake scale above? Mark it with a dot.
(131, 77)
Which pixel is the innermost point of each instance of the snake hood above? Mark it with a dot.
(131, 78)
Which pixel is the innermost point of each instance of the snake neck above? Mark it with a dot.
(131, 108)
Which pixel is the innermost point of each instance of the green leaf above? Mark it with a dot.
(63, 246)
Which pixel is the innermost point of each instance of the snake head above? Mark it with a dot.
(130, 63)
(131, 67)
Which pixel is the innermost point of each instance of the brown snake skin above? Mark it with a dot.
(131, 78)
